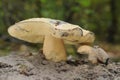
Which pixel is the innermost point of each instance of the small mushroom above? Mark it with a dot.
(53, 34)
(95, 54)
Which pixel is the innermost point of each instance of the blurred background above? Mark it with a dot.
(100, 16)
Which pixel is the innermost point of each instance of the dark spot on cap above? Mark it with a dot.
(54, 33)
(55, 28)
(69, 29)
(65, 34)
(81, 32)
(57, 22)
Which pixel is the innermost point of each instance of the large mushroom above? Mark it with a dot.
(53, 34)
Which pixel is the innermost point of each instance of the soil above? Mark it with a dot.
(36, 67)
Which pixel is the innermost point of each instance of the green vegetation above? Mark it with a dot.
(99, 16)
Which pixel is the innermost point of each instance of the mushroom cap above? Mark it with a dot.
(73, 34)
(30, 30)
(34, 29)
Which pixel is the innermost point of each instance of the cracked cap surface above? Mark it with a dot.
(33, 30)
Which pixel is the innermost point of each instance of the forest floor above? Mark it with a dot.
(36, 67)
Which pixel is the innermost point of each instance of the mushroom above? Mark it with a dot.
(38, 30)
(95, 54)
(53, 34)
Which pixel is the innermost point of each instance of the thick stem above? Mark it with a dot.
(54, 49)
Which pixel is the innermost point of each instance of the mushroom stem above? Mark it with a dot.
(54, 49)
(85, 49)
